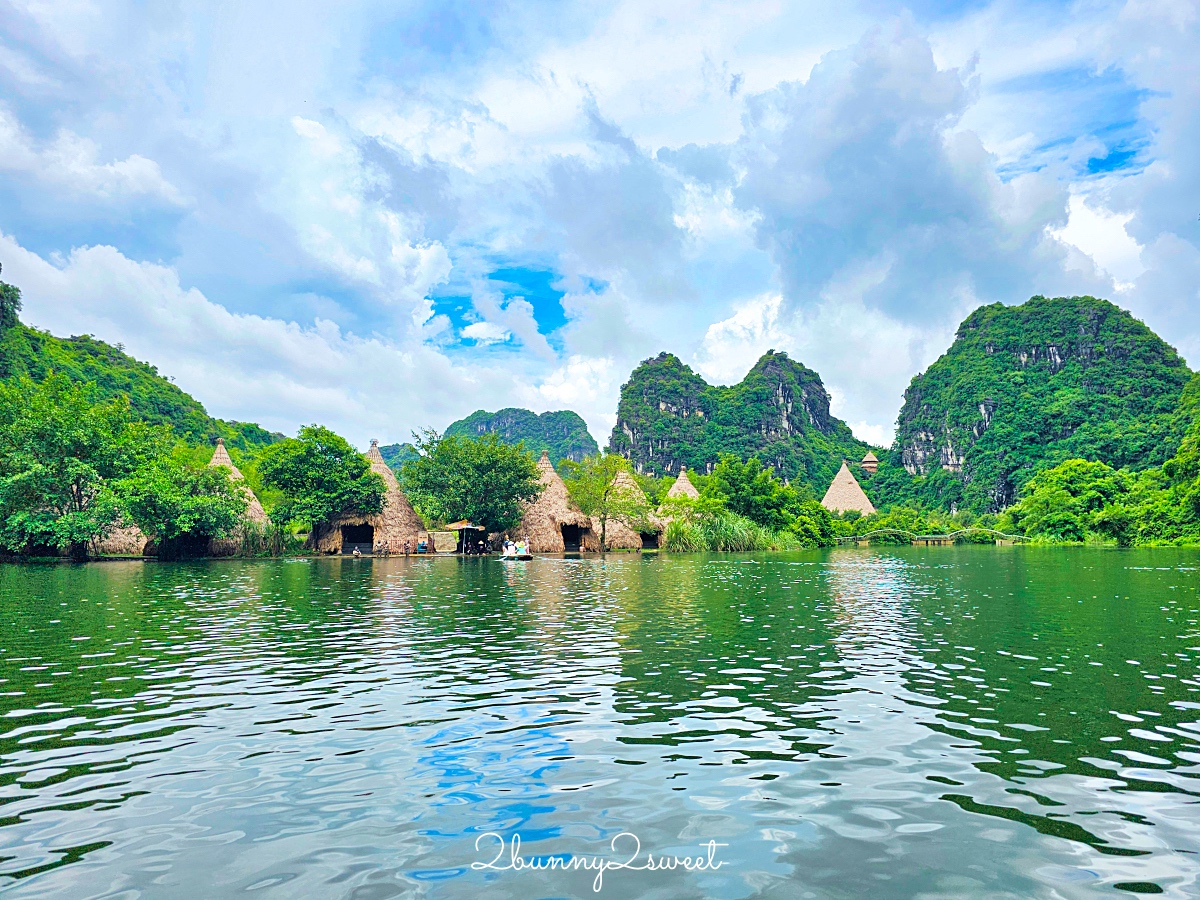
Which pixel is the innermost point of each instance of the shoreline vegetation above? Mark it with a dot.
(102, 458)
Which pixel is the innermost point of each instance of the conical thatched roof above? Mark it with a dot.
(543, 520)
(683, 486)
(845, 494)
(397, 523)
(618, 535)
(870, 457)
(254, 511)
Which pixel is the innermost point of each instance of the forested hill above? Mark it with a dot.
(669, 416)
(1025, 387)
(562, 433)
(153, 398)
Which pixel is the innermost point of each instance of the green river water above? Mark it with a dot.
(941, 722)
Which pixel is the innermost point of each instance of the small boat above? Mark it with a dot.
(516, 557)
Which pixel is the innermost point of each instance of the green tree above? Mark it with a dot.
(751, 490)
(597, 488)
(10, 305)
(61, 455)
(321, 478)
(483, 480)
(182, 506)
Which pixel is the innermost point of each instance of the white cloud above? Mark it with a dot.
(252, 367)
(71, 162)
(1101, 234)
(486, 332)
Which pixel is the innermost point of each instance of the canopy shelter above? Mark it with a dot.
(469, 536)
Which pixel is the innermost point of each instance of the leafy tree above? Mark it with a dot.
(483, 480)
(749, 489)
(61, 454)
(599, 491)
(1064, 503)
(10, 305)
(321, 478)
(182, 506)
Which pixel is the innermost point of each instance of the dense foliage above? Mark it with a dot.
(562, 433)
(10, 305)
(60, 455)
(182, 505)
(669, 416)
(321, 478)
(482, 480)
(1026, 387)
(28, 352)
(1086, 501)
(396, 455)
(597, 488)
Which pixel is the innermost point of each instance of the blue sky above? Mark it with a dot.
(382, 216)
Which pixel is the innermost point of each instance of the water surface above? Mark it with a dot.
(941, 722)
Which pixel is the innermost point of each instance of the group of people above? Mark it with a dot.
(520, 548)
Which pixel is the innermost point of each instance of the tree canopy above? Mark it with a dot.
(321, 478)
(597, 488)
(61, 453)
(183, 506)
(482, 480)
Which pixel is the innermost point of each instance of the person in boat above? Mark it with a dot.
(357, 553)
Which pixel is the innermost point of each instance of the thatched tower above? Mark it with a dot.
(254, 511)
(397, 523)
(254, 514)
(551, 524)
(618, 535)
(683, 487)
(845, 494)
(870, 463)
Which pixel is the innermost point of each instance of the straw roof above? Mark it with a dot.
(870, 457)
(542, 522)
(845, 494)
(397, 523)
(683, 486)
(125, 540)
(254, 511)
(618, 535)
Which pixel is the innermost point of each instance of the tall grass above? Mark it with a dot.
(725, 533)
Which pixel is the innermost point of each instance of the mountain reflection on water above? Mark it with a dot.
(912, 722)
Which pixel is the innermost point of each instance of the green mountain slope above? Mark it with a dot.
(154, 399)
(396, 455)
(1026, 387)
(669, 416)
(562, 433)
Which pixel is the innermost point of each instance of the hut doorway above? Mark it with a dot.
(358, 537)
(572, 536)
(649, 540)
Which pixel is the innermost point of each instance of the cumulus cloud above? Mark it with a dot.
(71, 163)
(252, 367)
(714, 179)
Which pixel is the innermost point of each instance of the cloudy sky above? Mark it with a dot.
(382, 216)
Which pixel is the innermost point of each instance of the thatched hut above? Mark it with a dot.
(551, 523)
(845, 494)
(618, 535)
(124, 540)
(683, 487)
(396, 524)
(870, 463)
(255, 515)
